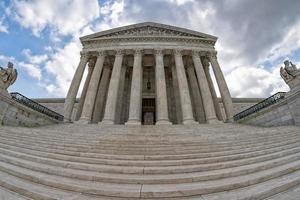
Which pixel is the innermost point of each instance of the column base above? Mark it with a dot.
(106, 122)
(82, 121)
(163, 122)
(133, 122)
(214, 121)
(67, 120)
(230, 120)
(189, 121)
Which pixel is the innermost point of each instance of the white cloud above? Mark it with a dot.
(3, 28)
(32, 70)
(255, 82)
(64, 16)
(34, 59)
(62, 65)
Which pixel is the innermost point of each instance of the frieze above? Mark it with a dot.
(115, 42)
(148, 31)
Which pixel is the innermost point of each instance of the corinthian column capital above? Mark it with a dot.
(196, 53)
(138, 52)
(212, 54)
(177, 52)
(158, 51)
(84, 55)
(101, 53)
(120, 52)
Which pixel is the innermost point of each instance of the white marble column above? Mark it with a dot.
(89, 102)
(224, 91)
(212, 89)
(112, 95)
(73, 90)
(162, 116)
(196, 96)
(176, 95)
(185, 98)
(91, 66)
(121, 99)
(135, 104)
(204, 88)
(101, 95)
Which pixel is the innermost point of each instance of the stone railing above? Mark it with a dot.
(35, 106)
(259, 106)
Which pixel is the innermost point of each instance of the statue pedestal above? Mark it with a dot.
(4, 93)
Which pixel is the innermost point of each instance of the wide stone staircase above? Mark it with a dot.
(205, 162)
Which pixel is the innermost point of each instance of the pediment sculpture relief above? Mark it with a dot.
(7, 76)
(290, 74)
(148, 31)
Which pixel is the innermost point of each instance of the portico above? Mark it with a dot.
(148, 73)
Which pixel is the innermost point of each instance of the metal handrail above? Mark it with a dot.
(36, 106)
(259, 106)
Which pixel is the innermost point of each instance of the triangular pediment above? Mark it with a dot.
(148, 29)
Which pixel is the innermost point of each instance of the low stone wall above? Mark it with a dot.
(284, 112)
(13, 113)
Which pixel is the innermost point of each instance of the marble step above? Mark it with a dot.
(291, 194)
(146, 151)
(104, 142)
(282, 187)
(154, 166)
(150, 190)
(26, 190)
(9, 195)
(148, 178)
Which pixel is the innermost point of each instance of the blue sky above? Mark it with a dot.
(41, 37)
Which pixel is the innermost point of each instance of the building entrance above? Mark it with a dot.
(148, 111)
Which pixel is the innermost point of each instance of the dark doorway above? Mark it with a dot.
(148, 111)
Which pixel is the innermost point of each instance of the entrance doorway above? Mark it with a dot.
(148, 111)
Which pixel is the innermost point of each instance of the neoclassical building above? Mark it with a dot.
(148, 73)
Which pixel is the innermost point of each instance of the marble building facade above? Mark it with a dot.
(148, 73)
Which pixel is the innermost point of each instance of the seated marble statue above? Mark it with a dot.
(7, 76)
(290, 74)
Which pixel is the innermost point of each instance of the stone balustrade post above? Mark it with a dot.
(73, 90)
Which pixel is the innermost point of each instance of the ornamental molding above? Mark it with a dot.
(148, 29)
(115, 41)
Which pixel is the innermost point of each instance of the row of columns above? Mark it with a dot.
(91, 87)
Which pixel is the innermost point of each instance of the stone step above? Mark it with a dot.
(149, 190)
(291, 194)
(189, 164)
(284, 186)
(9, 195)
(226, 184)
(146, 151)
(148, 178)
(27, 190)
(135, 138)
(110, 139)
(183, 146)
(147, 157)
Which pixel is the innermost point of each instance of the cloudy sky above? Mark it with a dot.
(254, 37)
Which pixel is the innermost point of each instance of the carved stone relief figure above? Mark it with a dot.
(7, 76)
(290, 74)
